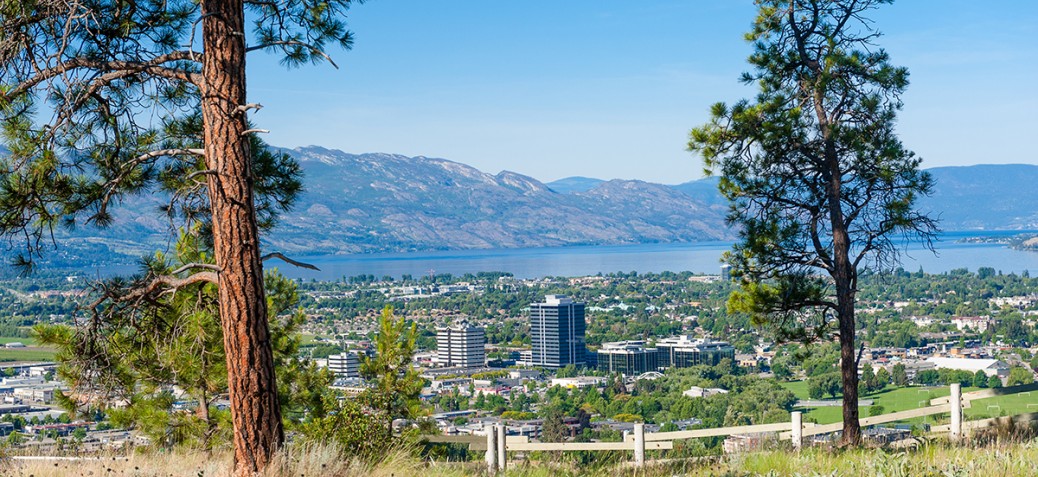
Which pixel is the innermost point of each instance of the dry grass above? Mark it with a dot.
(316, 461)
(152, 464)
(1002, 460)
(933, 460)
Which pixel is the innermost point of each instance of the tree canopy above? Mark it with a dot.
(820, 186)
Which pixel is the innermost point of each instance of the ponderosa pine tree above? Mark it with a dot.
(819, 184)
(94, 95)
(127, 363)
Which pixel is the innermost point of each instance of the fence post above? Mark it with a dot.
(956, 412)
(639, 444)
(491, 449)
(502, 457)
(798, 430)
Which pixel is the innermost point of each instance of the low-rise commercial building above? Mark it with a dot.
(684, 352)
(579, 382)
(990, 367)
(629, 358)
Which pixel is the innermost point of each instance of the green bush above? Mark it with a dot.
(366, 433)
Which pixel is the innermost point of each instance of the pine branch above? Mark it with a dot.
(285, 43)
(158, 284)
(115, 69)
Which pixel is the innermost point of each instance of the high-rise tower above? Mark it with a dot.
(557, 330)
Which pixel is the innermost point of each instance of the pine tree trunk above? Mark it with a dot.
(845, 293)
(255, 410)
(849, 376)
(844, 279)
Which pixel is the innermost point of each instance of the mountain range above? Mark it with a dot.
(358, 203)
(384, 202)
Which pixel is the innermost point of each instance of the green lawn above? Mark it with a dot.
(27, 341)
(799, 388)
(33, 354)
(901, 399)
(1003, 406)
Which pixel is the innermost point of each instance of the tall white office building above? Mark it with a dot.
(344, 365)
(461, 345)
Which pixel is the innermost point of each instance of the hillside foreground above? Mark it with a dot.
(933, 459)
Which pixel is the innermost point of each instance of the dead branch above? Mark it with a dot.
(246, 107)
(189, 266)
(289, 260)
(162, 281)
(170, 152)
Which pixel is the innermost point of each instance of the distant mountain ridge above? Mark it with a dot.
(985, 197)
(358, 203)
(978, 197)
(384, 202)
(573, 184)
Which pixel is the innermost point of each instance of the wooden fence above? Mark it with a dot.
(497, 444)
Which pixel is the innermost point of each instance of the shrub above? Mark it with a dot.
(366, 433)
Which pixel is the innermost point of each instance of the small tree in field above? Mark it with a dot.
(397, 384)
(819, 184)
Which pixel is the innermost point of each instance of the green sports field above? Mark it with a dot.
(912, 397)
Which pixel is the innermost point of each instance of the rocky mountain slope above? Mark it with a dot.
(379, 202)
(985, 197)
(355, 203)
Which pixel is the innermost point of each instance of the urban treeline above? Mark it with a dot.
(900, 310)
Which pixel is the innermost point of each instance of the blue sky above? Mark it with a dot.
(610, 89)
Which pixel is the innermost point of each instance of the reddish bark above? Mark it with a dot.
(255, 409)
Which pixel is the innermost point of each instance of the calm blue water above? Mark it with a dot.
(700, 257)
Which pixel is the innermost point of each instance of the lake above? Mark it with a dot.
(702, 257)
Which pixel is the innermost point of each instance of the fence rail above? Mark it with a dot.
(497, 444)
(588, 446)
(720, 431)
(967, 398)
(873, 420)
(990, 422)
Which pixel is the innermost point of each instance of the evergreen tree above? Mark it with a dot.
(868, 380)
(817, 179)
(554, 428)
(882, 379)
(150, 93)
(397, 384)
(899, 376)
(177, 343)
